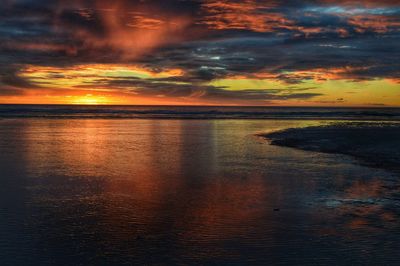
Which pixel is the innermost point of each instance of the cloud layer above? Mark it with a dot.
(286, 42)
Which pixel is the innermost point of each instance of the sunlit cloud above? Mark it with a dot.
(198, 52)
(243, 15)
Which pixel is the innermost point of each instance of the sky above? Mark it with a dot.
(200, 52)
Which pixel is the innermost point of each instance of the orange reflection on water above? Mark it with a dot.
(363, 206)
(67, 146)
(146, 179)
(220, 208)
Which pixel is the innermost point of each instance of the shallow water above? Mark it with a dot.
(137, 191)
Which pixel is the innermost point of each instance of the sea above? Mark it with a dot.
(159, 185)
(197, 112)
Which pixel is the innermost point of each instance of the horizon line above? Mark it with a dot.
(183, 105)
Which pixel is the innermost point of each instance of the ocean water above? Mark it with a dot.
(90, 190)
(197, 112)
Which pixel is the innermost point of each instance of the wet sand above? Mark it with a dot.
(374, 144)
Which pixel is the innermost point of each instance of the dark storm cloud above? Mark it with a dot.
(9, 78)
(365, 58)
(208, 39)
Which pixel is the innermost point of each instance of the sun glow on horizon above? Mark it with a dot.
(122, 84)
(89, 99)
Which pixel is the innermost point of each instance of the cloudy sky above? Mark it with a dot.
(210, 52)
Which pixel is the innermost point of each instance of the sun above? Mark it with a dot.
(90, 99)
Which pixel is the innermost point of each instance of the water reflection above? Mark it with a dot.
(181, 192)
(369, 205)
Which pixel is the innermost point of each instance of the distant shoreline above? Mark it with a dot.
(208, 106)
(373, 144)
(198, 112)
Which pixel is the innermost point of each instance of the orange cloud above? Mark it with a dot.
(42, 47)
(96, 70)
(316, 74)
(243, 15)
(376, 23)
(133, 31)
(395, 81)
(322, 74)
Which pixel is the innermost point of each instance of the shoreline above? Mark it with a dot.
(373, 144)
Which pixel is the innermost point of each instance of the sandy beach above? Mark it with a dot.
(374, 144)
